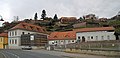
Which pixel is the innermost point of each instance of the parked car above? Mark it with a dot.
(27, 48)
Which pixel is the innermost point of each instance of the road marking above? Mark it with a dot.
(13, 54)
(4, 55)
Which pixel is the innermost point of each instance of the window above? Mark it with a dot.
(15, 41)
(108, 37)
(12, 41)
(88, 37)
(91, 37)
(102, 37)
(56, 41)
(78, 37)
(28, 33)
(96, 37)
(72, 40)
(15, 33)
(1, 40)
(23, 33)
(12, 33)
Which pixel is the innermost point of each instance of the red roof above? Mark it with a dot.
(29, 27)
(4, 34)
(70, 35)
(94, 29)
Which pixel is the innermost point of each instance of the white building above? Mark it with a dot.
(62, 38)
(14, 34)
(95, 34)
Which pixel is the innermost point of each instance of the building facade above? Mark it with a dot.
(34, 40)
(62, 38)
(14, 34)
(3, 40)
(95, 34)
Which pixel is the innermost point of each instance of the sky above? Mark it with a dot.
(27, 8)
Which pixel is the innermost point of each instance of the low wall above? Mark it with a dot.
(94, 52)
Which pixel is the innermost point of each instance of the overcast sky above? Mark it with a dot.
(77, 8)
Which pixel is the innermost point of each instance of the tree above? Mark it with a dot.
(35, 17)
(43, 15)
(55, 17)
(81, 19)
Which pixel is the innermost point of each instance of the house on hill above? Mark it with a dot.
(95, 34)
(68, 19)
(14, 34)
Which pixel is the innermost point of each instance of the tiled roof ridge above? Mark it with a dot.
(28, 26)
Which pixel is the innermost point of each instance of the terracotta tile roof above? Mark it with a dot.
(3, 34)
(62, 35)
(94, 29)
(29, 27)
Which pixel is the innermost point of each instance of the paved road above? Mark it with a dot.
(25, 54)
(43, 54)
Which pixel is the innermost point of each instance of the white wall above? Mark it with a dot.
(17, 37)
(99, 34)
(61, 42)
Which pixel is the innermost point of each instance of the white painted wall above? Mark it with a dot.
(61, 42)
(17, 37)
(99, 34)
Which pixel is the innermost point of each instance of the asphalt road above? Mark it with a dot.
(43, 54)
(24, 54)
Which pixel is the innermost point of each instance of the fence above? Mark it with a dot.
(113, 45)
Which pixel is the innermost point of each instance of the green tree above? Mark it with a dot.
(81, 19)
(43, 15)
(55, 17)
(35, 17)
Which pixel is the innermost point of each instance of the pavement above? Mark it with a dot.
(43, 54)
(25, 54)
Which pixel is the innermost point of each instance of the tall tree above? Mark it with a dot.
(43, 15)
(55, 17)
(35, 17)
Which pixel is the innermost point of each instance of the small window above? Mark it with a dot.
(28, 33)
(15, 41)
(56, 42)
(72, 40)
(12, 33)
(52, 42)
(23, 33)
(12, 41)
(108, 37)
(15, 33)
(96, 37)
(102, 37)
(78, 37)
(1, 40)
(91, 37)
